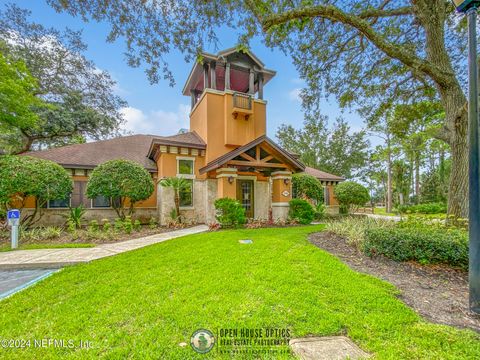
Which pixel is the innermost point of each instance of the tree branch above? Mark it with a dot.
(376, 13)
(334, 14)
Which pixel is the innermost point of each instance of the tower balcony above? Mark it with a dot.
(242, 105)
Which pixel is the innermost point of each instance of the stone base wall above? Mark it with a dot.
(280, 211)
(262, 199)
(332, 209)
(57, 217)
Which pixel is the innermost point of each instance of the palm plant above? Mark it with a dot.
(75, 216)
(177, 185)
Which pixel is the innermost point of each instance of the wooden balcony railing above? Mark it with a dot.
(242, 101)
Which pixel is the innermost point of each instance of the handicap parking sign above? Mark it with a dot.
(13, 217)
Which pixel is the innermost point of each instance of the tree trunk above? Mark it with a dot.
(417, 178)
(458, 185)
(388, 205)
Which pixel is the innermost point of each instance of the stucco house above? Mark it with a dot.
(225, 153)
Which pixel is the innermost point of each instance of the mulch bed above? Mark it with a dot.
(438, 293)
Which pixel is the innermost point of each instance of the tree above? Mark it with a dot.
(17, 94)
(24, 176)
(85, 104)
(351, 195)
(307, 187)
(177, 185)
(369, 54)
(336, 150)
(124, 182)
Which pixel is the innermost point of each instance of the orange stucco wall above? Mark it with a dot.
(167, 165)
(213, 120)
(332, 199)
(278, 187)
(148, 203)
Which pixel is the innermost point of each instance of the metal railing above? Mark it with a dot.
(242, 101)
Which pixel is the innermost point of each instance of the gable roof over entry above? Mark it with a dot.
(222, 160)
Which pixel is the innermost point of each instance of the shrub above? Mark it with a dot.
(301, 211)
(123, 181)
(75, 216)
(152, 223)
(426, 244)
(307, 186)
(127, 225)
(23, 176)
(137, 225)
(353, 227)
(42, 233)
(118, 225)
(320, 211)
(106, 226)
(351, 195)
(229, 212)
(427, 208)
(93, 225)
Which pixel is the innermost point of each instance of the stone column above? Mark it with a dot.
(227, 183)
(281, 194)
(205, 76)
(260, 86)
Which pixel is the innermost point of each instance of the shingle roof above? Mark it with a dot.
(322, 175)
(133, 147)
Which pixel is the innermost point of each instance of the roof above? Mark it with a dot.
(220, 58)
(134, 147)
(218, 162)
(322, 175)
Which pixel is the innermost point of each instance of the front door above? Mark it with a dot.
(245, 196)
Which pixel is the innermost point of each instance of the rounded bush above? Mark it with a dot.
(229, 212)
(307, 186)
(301, 211)
(351, 195)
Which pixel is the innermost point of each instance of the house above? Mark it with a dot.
(225, 153)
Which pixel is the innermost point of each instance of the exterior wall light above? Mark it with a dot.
(286, 181)
(230, 179)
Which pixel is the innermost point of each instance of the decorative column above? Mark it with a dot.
(227, 76)
(193, 97)
(205, 76)
(213, 75)
(251, 82)
(227, 183)
(281, 194)
(260, 86)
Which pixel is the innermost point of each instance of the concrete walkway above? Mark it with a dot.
(57, 258)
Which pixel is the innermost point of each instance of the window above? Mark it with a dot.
(78, 195)
(59, 203)
(186, 195)
(185, 167)
(101, 202)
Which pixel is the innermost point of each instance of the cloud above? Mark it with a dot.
(156, 122)
(294, 95)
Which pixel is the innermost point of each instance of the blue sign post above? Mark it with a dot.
(13, 217)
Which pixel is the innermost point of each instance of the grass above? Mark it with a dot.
(383, 211)
(7, 247)
(143, 303)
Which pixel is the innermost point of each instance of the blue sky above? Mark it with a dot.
(161, 109)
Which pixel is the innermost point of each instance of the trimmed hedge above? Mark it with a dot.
(422, 244)
(427, 208)
(301, 211)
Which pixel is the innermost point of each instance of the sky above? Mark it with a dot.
(162, 110)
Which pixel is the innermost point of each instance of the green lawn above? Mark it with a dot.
(46, 246)
(382, 211)
(142, 304)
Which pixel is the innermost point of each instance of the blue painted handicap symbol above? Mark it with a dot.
(13, 214)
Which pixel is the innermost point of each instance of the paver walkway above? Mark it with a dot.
(56, 258)
(381, 217)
